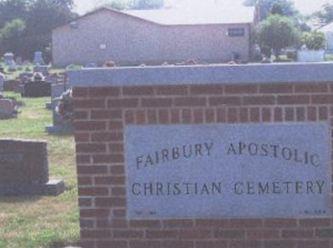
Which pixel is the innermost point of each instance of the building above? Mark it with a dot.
(328, 31)
(211, 33)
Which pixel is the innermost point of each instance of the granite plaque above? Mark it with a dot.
(228, 171)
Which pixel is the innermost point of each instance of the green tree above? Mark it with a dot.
(277, 32)
(313, 40)
(11, 36)
(266, 7)
(326, 14)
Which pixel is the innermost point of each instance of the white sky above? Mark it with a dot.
(304, 6)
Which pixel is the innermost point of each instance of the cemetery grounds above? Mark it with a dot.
(41, 221)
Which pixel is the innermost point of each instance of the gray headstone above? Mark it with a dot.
(38, 58)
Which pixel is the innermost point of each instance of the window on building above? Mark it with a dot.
(236, 32)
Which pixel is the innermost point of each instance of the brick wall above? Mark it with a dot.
(101, 113)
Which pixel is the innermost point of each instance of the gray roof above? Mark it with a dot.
(199, 13)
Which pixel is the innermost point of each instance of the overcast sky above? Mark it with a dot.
(304, 6)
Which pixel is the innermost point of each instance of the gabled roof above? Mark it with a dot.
(327, 28)
(199, 14)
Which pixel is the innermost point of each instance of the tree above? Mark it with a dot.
(277, 32)
(326, 14)
(39, 17)
(314, 40)
(266, 7)
(11, 35)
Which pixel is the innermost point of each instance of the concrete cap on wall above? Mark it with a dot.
(204, 74)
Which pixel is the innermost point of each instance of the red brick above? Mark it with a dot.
(111, 244)
(116, 147)
(254, 114)
(245, 244)
(85, 202)
(299, 234)
(280, 244)
(104, 159)
(104, 91)
(266, 114)
(190, 101)
(224, 100)
(212, 223)
(86, 243)
(107, 136)
(83, 159)
(156, 102)
(195, 234)
(89, 125)
(80, 92)
(211, 244)
(221, 115)
(89, 104)
(106, 114)
(129, 117)
(81, 137)
(152, 116)
(114, 223)
(138, 90)
(280, 223)
(163, 116)
(145, 223)
(93, 169)
(312, 114)
(311, 88)
(177, 244)
(85, 181)
(178, 223)
(263, 234)
(289, 114)
(245, 223)
(230, 234)
(186, 116)
(244, 115)
(300, 114)
(86, 224)
(276, 88)
(119, 213)
(314, 222)
(93, 191)
(198, 116)
(128, 234)
(259, 100)
(81, 115)
(145, 244)
(123, 103)
(161, 234)
(117, 170)
(172, 90)
(323, 113)
(90, 148)
(232, 115)
(95, 234)
(322, 99)
(313, 244)
(278, 114)
(115, 125)
(118, 191)
(110, 180)
(140, 117)
(290, 99)
(94, 213)
(206, 89)
(110, 202)
(210, 116)
(175, 116)
(241, 89)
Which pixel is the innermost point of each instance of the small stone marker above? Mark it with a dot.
(38, 58)
(24, 169)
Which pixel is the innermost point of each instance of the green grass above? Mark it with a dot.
(39, 222)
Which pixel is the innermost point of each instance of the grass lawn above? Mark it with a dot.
(35, 222)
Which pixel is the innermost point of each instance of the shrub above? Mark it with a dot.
(314, 40)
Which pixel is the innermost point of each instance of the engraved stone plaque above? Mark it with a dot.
(228, 171)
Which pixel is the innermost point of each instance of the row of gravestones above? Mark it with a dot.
(9, 60)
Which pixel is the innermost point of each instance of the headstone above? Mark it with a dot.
(24, 169)
(44, 69)
(2, 81)
(25, 76)
(7, 109)
(36, 89)
(19, 60)
(9, 61)
(38, 58)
